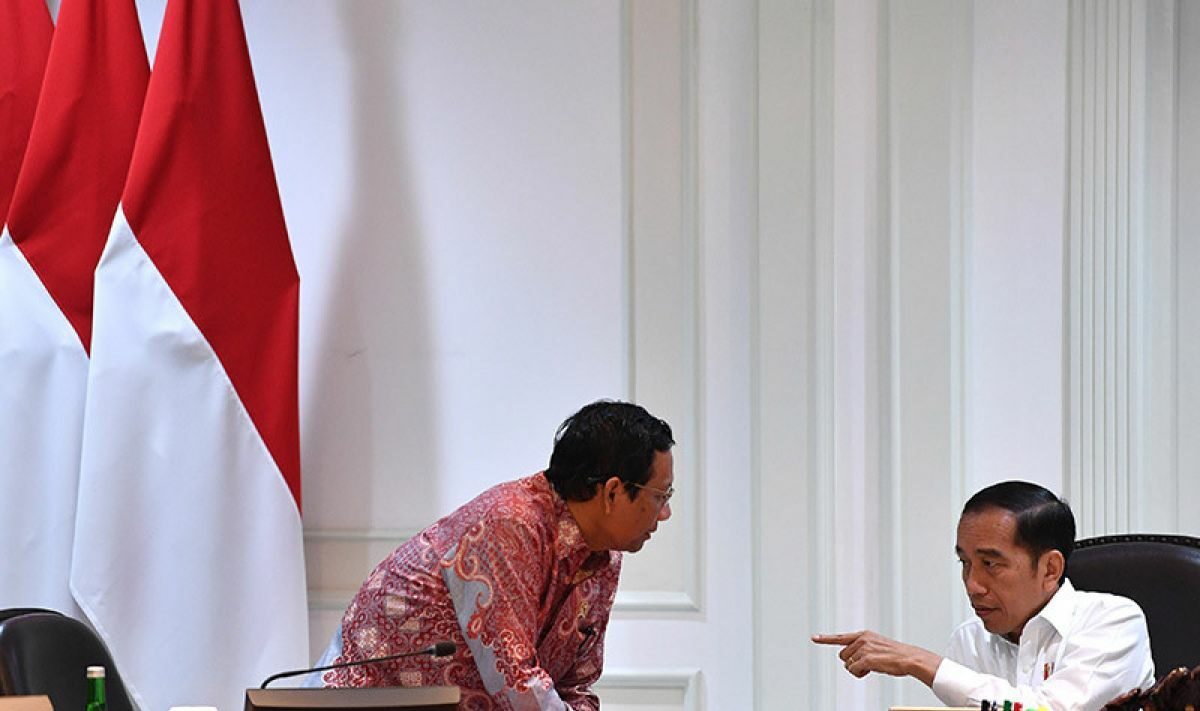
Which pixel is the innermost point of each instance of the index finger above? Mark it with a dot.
(842, 639)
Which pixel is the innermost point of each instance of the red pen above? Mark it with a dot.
(1047, 670)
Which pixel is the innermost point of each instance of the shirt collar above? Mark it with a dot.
(1061, 608)
(1056, 613)
(570, 549)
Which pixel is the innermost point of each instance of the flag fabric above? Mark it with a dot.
(40, 359)
(25, 31)
(79, 149)
(188, 554)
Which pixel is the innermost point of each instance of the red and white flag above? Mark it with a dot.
(188, 550)
(42, 363)
(25, 30)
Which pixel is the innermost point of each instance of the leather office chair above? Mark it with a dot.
(48, 653)
(18, 611)
(1160, 573)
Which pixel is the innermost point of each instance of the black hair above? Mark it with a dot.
(1044, 521)
(605, 439)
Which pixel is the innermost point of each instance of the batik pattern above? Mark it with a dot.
(509, 579)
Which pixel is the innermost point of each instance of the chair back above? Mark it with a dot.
(1161, 574)
(49, 653)
(18, 611)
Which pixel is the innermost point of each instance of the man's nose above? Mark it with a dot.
(974, 587)
(665, 512)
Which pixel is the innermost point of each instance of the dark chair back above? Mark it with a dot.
(48, 653)
(18, 611)
(1160, 573)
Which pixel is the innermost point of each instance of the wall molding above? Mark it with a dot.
(1106, 247)
(793, 358)
(962, 165)
(826, 413)
(1160, 292)
(926, 87)
(687, 681)
(657, 602)
(664, 295)
(322, 535)
(1181, 404)
(332, 582)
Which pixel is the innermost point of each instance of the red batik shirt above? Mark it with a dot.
(509, 579)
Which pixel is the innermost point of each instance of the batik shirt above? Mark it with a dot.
(509, 579)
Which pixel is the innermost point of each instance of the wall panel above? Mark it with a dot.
(1124, 287)
(663, 286)
(1185, 395)
(924, 479)
(798, 230)
(669, 690)
(794, 80)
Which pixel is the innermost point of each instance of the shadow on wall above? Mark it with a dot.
(371, 450)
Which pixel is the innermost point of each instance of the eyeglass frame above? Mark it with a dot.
(666, 495)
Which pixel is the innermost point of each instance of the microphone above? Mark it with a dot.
(443, 648)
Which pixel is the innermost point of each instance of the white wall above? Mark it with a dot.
(1023, 310)
(1015, 262)
(1184, 328)
(498, 215)
(836, 244)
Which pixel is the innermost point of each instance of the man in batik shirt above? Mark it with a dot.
(522, 578)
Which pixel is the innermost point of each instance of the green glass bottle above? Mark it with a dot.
(95, 678)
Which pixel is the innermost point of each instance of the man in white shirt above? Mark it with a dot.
(1034, 639)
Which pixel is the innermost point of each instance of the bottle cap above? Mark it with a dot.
(95, 672)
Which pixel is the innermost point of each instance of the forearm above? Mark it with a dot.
(923, 665)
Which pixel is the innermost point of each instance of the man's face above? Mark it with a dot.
(1005, 585)
(634, 520)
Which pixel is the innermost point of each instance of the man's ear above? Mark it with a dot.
(1054, 564)
(609, 490)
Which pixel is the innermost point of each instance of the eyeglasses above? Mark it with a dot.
(664, 496)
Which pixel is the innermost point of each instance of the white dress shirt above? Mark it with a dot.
(1081, 651)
